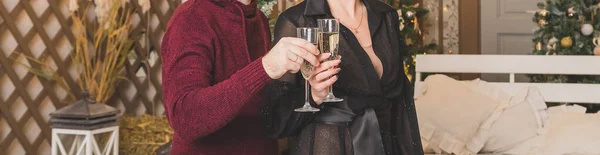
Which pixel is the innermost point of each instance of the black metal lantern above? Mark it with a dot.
(85, 114)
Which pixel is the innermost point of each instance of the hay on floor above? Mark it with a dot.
(143, 134)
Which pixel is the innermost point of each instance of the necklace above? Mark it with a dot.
(359, 23)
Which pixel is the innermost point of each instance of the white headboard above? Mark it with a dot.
(520, 64)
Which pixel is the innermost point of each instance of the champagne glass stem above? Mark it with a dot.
(331, 87)
(307, 107)
(306, 88)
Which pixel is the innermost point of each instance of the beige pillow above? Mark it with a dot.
(450, 113)
(572, 133)
(512, 126)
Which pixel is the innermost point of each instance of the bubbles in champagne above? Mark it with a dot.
(306, 69)
(328, 43)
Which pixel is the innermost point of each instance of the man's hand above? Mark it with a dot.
(288, 55)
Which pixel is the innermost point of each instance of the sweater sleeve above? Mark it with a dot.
(285, 94)
(195, 105)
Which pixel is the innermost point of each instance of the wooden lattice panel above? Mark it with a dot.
(41, 29)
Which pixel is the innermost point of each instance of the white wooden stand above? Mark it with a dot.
(87, 146)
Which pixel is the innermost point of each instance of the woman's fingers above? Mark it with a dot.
(324, 56)
(326, 74)
(322, 86)
(323, 77)
(326, 65)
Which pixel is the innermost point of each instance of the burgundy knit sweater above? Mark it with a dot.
(213, 78)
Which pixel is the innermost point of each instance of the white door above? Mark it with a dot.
(506, 29)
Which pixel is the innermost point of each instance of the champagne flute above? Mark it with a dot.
(329, 40)
(310, 35)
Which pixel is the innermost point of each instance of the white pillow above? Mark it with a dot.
(450, 113)
(567, 108)
(535, 143)
(572, 133)
(513, 125)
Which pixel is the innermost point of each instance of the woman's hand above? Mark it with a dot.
(323, 77)
(288, 55)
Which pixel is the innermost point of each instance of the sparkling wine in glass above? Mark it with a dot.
(310, 35)
(329, 40)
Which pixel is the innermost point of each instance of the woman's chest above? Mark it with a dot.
(368, 67)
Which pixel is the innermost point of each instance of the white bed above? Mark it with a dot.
(519, 64)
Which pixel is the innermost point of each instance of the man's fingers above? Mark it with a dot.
(291, 56)
(292, 66)
(305, 56)
(309, 47)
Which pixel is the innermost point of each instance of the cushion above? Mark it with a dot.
(450, 113)
(512, 126)
(572, 133)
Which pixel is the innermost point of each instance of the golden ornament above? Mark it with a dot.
(408, 41)
(538, 46)
(543, 12)
(596, 42)
(416, 26)
(542, 22)
(566, 42)
(406, 70)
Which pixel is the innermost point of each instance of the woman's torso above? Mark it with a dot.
(359, 83)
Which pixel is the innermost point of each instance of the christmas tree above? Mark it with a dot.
(266, 6)
(567, 27)
(411, 17)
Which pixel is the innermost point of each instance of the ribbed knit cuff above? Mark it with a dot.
(253, 77)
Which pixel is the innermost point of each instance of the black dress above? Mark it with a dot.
(377, 116)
